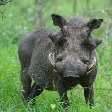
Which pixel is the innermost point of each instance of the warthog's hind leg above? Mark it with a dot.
(26, 82)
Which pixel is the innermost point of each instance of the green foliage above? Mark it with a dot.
(19, 17)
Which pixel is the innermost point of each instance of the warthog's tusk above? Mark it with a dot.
(89, 71)
(51, 59)
(91, 66)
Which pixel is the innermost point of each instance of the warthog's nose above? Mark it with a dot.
(74, 68)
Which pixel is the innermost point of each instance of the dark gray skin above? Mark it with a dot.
(74, 49)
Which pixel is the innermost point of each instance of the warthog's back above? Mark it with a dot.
(33, 53)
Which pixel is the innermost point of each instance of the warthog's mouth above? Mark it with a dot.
(51, 58)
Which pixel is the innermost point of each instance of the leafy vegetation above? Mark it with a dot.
(19, 17)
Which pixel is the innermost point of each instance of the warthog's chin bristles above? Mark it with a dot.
(90, 67)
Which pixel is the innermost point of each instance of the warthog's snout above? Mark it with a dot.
(70, 67)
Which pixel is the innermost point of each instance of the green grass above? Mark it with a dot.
(21, 18)
(11, 99)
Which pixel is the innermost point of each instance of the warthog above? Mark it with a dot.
(60, 60)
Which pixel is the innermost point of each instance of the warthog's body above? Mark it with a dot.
(60, 60)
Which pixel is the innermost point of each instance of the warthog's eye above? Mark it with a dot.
(85, 61)
(59, 59)
(88, 32)
(61, 41)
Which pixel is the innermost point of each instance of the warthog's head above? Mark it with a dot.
(75, 45)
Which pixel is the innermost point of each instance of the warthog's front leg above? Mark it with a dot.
(63, 95)
(89, 95)
(35, 91)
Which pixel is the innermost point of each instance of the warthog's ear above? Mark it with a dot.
(58, 20)
(94, 23)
